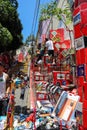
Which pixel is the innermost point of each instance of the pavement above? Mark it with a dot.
(22, 104)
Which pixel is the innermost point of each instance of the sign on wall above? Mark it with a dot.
(77, 19)
(57, 35)
(79, 43)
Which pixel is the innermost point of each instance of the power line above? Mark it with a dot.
(46, 21)
(38, 6)
(36, 11)
(34, 24)
(34, 17)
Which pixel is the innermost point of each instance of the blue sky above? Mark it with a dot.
(26, 14)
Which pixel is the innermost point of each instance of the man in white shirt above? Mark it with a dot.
(50, 47)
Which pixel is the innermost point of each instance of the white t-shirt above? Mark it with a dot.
(49, 45)
(3, 84)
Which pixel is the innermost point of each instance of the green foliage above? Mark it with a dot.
(30, 39)
(11, 24)
(5, 36)
(14, 3)
(50, 9)
(30, 52)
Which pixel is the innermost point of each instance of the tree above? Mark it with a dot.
(9, 19)
(14, 3)
(49, 10)
(30, 39)
(5, 37)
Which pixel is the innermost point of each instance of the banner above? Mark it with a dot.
(43, 36)
(20, 57)
(61, 45)
(57, 35)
